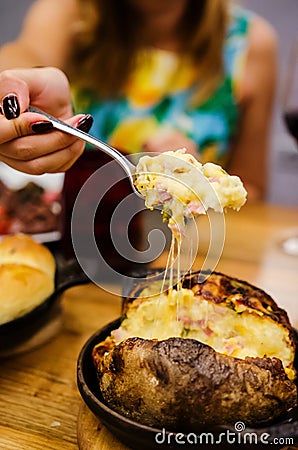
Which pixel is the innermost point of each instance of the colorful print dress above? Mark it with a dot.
(158, 96)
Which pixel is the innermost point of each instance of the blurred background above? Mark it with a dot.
(282, 14)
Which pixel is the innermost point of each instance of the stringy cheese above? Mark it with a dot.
(185, 188)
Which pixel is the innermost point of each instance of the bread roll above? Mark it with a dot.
(27, 272)
(22, 249)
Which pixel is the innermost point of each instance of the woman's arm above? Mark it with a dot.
(256, 94)
(45, 38)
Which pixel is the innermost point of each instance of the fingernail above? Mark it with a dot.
(85, 123)
(11, 107)
(42, 127)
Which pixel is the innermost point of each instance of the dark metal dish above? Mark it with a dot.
(20, 330)
(137, 436)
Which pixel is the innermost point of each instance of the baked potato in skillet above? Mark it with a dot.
(215, 352)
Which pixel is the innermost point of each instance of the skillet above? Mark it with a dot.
(20, 330)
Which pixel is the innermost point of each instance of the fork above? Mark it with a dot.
(126, 165)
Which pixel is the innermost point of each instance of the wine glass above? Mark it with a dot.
(290, 116)
(290, 101)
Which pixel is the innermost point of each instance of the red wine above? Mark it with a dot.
(291, 121)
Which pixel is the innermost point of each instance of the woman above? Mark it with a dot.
(154, 75)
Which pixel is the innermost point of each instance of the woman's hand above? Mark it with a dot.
(27, 140)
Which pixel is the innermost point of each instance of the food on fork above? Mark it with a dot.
(27, 273)
(214, 352)
(186, 188)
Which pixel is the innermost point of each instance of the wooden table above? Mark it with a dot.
(39, 400)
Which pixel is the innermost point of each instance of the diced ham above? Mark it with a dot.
(164, 195)
(194, 208)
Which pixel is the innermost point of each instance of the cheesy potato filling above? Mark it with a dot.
(180, 313)
(185, 188)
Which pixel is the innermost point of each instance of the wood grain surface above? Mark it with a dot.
(40, 406)
(92, 435)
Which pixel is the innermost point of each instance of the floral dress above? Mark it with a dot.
(158, 96)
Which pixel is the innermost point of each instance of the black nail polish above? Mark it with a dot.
(42, 127)
(85, 123)
(11, 107)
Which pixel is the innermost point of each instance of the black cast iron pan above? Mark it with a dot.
(20, 330)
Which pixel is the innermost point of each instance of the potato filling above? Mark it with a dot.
(183, 314)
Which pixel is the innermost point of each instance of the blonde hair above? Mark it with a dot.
(108, 40)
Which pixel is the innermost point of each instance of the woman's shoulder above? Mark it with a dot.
(262, 36)
(246, 22)
(255, 66)
(247, 33)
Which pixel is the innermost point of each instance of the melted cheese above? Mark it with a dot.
(180, 313)
(185, 188)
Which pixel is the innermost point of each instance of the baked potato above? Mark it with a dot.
(213, 352)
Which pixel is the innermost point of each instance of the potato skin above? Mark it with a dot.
(182, 384)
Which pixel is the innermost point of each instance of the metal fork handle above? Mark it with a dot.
(126, 165)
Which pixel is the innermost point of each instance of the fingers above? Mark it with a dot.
(20, 126)
(32, 124)
(58, 161)
(51, 151)
(32, 147)
(46, 88)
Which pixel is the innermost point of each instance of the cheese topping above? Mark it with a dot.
(182, 313)
(186, 188)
